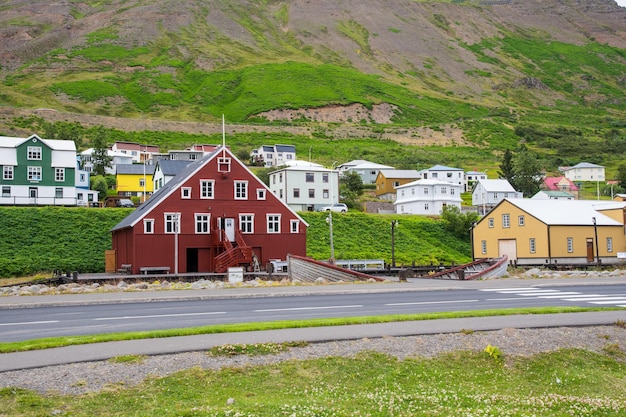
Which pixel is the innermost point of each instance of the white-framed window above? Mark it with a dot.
(185, 193)
(280, 178)
(609, 244)
(425, 191)
(241, 190)
(444, 190)
(203, 223)
(570, 244)
(490, 222)
(521, 221)
(531, 243)
(273, 223)
(6, 191)
(246, 223)
(223, 164)
(34, 153)
(325, 194)
(294, 226)
(506, 220)
(148, 226)
(7, 173)
(260, 194)
(309, 177)
(426, 206)
(451, 191)
(34, 173)
(280, 193)
(172, 222)
(296, 193)
(59, 174)
(483, 246)
(207, 188)
(325, 178)
(142, 182)
(311, 192)
(58, 192)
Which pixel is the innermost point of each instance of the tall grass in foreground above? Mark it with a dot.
(561, 383)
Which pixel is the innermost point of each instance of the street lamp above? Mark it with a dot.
(394, 224)
(330, 215)
(595, 232)
(176, 219)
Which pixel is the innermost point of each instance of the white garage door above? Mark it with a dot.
(508, 247)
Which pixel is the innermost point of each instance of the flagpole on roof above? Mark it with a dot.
(223, 136)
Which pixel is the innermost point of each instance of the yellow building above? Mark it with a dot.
(135, 180)
(540, 232)
(388, 179)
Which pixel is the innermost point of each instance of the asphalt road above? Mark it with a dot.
(174, 308)
(32, 323)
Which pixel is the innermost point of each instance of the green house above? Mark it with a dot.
(37, 171)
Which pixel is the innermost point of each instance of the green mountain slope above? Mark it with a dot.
(462, 73)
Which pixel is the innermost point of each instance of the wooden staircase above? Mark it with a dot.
(238, 254)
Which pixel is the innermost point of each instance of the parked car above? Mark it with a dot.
(338, 207)
(125, 202)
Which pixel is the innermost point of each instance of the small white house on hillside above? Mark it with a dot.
(366, 169)
(584, 171)
(305, 187)
(427, 197)
(444, 173)
(488, 193)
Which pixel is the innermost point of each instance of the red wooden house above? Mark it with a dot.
(213, 215)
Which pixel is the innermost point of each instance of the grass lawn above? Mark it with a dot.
(488, 383)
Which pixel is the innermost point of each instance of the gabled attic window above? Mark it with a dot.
(223, 164)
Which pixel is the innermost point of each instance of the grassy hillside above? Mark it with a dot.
(471, 75)
(48, 238)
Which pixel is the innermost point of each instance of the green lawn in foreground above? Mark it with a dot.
(560, 383)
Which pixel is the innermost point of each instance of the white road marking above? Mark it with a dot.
(557, 294)
(29, 323)
(432, 302)
(597, 298)
(158, 316)
(560, 295)
(307, 308)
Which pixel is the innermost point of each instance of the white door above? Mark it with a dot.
(229, 228)
(508, 247)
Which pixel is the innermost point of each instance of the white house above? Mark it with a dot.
(488, 193)
(165, 170)
(366, 169)
(472, 177)
(117, 158)
(427, 197)
(84, 195)
(276, 155)
(305, 187)
(553, 195)
(137, 151)
(584, 171)
(444, 173)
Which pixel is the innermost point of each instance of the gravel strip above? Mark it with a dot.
(87, 377)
